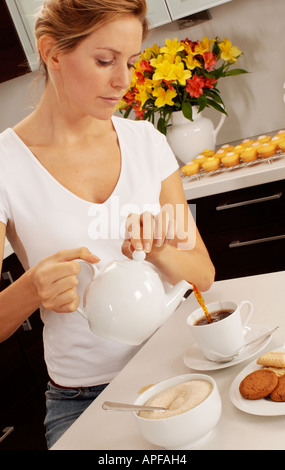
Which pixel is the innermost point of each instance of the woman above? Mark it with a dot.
(68, 172)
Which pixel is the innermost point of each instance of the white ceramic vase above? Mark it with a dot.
(189, 138)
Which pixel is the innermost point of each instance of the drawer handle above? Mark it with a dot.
(251, 201)
(5, 433)
(7, 276)
(255, 242)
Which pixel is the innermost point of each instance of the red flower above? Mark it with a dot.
(191, 43)
(209, 82)
(210, 60)
(145, 66)
(139, 112)
(129, 97)
(140, 78)
(195, 86)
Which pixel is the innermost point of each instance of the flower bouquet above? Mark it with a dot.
(178, 76)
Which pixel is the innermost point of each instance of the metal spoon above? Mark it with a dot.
(230, 358)
(112, 406)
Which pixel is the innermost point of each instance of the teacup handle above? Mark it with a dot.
(94, 272)
(250, 310)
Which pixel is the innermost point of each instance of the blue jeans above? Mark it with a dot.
(64, 406)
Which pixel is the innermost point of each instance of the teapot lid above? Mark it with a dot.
(139, 255)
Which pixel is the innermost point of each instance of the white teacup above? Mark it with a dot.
(224, 337)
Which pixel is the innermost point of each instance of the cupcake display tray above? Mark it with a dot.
(202, 173)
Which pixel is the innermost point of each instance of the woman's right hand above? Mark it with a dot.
(55, 279)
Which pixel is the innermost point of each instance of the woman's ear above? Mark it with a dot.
(48, 52)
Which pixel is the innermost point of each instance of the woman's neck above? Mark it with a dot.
(53, 122)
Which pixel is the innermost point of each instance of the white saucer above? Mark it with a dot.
(262, 407)
(194, 358)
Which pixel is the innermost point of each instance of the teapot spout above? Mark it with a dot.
(174, 297)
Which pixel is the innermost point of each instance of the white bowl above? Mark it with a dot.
(187, 429)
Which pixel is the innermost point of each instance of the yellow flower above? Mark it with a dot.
(229, 53)
(142, 95)
(164, 71)
(164, 97)
(190, 60)
(162, 58)
(172, 47)
(150, 52)
(180, 73)
(204, 45)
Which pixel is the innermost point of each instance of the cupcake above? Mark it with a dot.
(282, 145)
(267, 150)
(249, 154)
(227, 147)
(247, 142)
(200, 160)
(211, 164)
(238, 149)
(219, 154)
(208, 153)
(256, 145)
(190, 169)
(230, 159)
(277, 139)
(263, 139)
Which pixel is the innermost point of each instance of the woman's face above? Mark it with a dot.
(92, 78)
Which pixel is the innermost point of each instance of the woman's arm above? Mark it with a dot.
(183, 254)
(51, 283)
(17, 301)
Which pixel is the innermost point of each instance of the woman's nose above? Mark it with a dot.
(122, 77)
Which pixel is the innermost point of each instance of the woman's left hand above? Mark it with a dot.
(147, 232)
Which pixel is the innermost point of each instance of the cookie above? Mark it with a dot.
(279, 371)
(272, 359)
(278, 393)
(258, 384)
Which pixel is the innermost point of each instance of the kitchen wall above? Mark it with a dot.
(254, 102)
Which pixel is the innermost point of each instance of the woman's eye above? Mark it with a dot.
(104, 63)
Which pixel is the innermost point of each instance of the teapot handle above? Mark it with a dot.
(93, 267)
(94, 273)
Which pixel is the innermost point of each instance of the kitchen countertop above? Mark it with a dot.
(162, 357)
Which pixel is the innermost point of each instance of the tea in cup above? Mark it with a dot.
(224, 335)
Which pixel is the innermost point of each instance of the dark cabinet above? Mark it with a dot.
(23, 379)
(12, 57)
(244, 230)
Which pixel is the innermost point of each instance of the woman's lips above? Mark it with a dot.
(112, 100)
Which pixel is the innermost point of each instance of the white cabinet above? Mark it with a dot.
(22, 12)
(164, 11)
(158, 13)
(180, 8)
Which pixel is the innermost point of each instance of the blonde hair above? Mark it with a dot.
(68, 22)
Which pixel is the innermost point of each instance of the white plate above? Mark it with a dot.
(194, 358)
(262, 407)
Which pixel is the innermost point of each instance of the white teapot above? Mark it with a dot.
(126, 301)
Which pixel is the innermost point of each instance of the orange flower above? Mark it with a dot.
(210, 60)
(195, 86)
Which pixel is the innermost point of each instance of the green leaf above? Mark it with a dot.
(161, 126)
(235, 72)
(187, 110)
(202, 102)
(216, 106)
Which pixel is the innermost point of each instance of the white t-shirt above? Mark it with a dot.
(43, 217)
